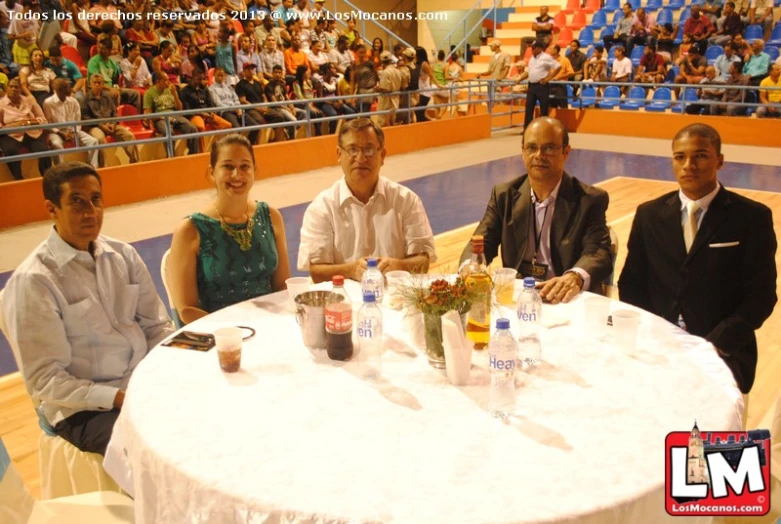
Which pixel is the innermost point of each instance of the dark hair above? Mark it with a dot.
(276, 67)
(576, 42)
(702, 131)
(539, 44)
(556, 47)
(54, 51)
(398, 47)
(358, 124)
(421, 55)
(343, 39)
(165, 44)
(668, 27)
(441, 54)
(228, 140)
(300, 71)
(620, 48)
(105, 42)
(56, 176)
(599, 47)
(731, 4)
(128, 47)
(557, 124)
(157, 77)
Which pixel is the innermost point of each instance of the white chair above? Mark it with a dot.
(165, 275)
(64, 469)
(17, 506)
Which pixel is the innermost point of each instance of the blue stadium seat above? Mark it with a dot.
(661, 100)
(570, 96)
(599, 20)
(611, 57)
(634, 100)
(751, 98)
(588, 97)
(773, 52)
(635, 4)
(689, 96)
(637, 54)
(754, 32)
(612, 5)
(590, 52)
(586, 37)
(674, 71)
(685, 14)
(675, 4)
(653, 5)
(610, 98)
(713, 52)
(775, 36)
(665, 16)
(618, 15)
(609, 29)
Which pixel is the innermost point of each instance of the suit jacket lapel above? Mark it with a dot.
(671, 222)
(716, 214)
(520, 218)
(562, 214)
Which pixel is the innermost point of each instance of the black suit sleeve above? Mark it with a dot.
(757, 300)
(596, 257)
(633, 283)
(491, 229)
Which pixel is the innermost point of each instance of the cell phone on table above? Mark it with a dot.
(191, 340)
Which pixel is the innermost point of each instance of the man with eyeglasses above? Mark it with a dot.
(550, 225)
(364, 215)
(703, 257)
(82, 311)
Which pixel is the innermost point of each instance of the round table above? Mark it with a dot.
(295, 437)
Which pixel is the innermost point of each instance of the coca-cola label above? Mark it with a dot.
(338, 318)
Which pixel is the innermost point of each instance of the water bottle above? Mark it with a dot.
(502, 355)
(370, 335)
(372, 280)
(529, 318)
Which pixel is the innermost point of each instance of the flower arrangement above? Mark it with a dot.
(438, 297)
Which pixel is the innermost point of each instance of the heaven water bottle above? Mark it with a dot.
(502, 354)
(370, 335)
(373, 281)
(529, 318)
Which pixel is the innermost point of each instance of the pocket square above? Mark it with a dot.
(725, 244)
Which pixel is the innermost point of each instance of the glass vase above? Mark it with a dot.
(435, 351)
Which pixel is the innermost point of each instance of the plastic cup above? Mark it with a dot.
(597, 310)
(228, 341)
(296, 286)
(504, 285)
(395, 280)
(625, 326)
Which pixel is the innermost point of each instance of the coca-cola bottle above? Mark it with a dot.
(339, 322)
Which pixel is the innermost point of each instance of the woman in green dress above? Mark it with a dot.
(233, 250)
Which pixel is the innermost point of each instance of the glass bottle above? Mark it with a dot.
(477, 280)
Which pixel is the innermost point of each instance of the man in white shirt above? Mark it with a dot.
(761, 12)
(542, 68)
(271, 56)
(341, 57)
(82, 311)
(622, 67)
(303, 13)
(62, 107)
(364, 215)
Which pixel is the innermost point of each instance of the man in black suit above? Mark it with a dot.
(704, 257)
(550, 225)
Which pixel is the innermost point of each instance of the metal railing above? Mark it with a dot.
(448, 39)
(170, 138)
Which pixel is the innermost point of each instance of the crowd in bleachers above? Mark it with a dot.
(127, 57)
(714, 45)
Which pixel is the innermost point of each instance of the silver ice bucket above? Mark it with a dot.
(310, 315)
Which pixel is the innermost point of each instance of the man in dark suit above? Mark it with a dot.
(550, 225)
(704, 257)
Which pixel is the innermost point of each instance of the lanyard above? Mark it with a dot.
(538, 236)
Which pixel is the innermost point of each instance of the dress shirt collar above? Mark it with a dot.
(64, 252)
(346, 194)
(703, 202)
(551, 198)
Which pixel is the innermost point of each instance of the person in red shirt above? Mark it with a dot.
(700, 27)
(652, 70)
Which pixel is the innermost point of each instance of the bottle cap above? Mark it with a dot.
(337, 280)
(502, 323)
(478, 244)
(369, 297)
(529, 282)
(371, 262)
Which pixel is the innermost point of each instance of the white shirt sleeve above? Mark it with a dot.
(417, 231)
(317, 236)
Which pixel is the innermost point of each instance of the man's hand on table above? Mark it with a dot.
(560, 289)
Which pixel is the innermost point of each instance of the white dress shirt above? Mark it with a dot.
(142, 79)
(57, 110)
(540, 67)
(622, 67)
(543, 211)
(82, 325)
(702, 205)
(338, 228)
(341, 60)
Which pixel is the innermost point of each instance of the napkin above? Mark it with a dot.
(554, 316)
(458, 350)
(413, 324)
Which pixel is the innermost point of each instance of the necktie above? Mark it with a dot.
(690, 227)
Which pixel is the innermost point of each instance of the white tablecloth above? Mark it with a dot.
(295, 437)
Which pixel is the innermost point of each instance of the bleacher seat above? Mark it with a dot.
(608, 30)
(588, 97)
(560, 20)
(578, 20)
(636, 55)
(592, 6)
(612, 5)
(570, 96)
(72, 54)
(685, 14)
(671, 74)
(751, 98)
(773, 52)
(565, 37)
(590, 52)
(689, 96)
(665, 16)
(634, 100)
(610, 98)
(586, 37)
(611, 56)
(754, 32)
(775, 36)
(661, 100)
(675, 4)
(135, 126)
(653, 5)
(572, 6)
(713, 52)
(636, 4)
(618, 15)
(599, 20)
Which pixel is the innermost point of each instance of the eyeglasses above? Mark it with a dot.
(353, 151)
(547, 150)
